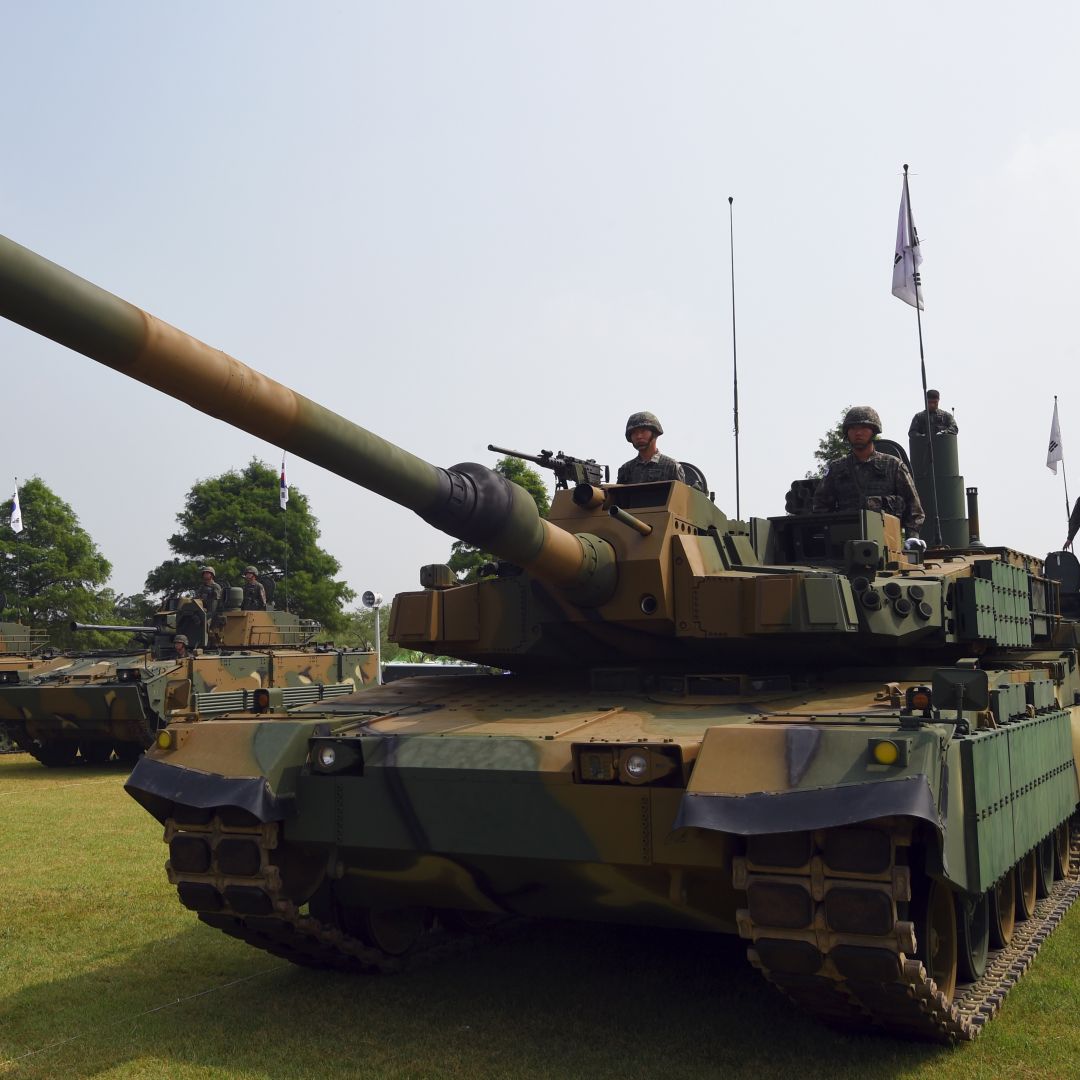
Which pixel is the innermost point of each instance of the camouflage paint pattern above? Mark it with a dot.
(787, 728)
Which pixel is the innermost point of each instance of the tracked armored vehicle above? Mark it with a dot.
(23, 652)
(94, 704)
(860, 759)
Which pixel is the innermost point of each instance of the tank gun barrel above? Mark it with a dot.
(119, 629)
(468, 501)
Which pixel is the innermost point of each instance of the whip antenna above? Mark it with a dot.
(734, 351)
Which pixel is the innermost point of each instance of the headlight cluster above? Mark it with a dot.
(605, 763)
(336, 756)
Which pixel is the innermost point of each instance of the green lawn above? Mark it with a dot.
(104, 974)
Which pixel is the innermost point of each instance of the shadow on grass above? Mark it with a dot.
(553, 1000)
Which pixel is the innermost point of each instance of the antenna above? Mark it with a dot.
(734, 352)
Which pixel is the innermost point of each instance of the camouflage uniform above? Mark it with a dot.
(210, 594)
(940, 421)
(659, 467)
(881, 482)
(254, 596)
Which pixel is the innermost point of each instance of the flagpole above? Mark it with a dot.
(922, 360)
(18, 533)
(283, 497)
(734, 352)
(1064, 475)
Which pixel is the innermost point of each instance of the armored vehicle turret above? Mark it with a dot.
(859, 758)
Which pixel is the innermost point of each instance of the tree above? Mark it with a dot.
(466, 560)
(832, 445)
(52, 572)
(358, 632)
(232, 520)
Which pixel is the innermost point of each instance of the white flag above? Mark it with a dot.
(906, 279)
(1054, 454)
(16, 514)
(283, 491)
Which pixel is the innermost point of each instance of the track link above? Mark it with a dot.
(236, 878)
(833, 942)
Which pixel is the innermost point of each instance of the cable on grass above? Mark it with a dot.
(138, 1016)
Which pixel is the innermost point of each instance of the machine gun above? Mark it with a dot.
(567, 469)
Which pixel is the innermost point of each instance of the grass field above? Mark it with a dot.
(104, 974)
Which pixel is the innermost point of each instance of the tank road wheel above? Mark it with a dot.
(395, 931)
(1044, 861)
(1027, 873)
(128, 752)
(973, 944)
(934, 915)
(95, 753)
(1003, 910)
(469, 922)
(1061, 851)
(56, 754)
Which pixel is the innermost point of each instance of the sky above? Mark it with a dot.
(472, 222)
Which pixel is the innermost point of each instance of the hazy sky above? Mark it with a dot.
(463, 223)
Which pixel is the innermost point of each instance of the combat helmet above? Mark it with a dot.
(181, 639)
(208, 570)
(862, 415)
(251, 570)
(643, 419)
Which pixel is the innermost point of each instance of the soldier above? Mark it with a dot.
(867, 480)
(180, 643)
(941, 422)
(642, 429)
(254, 593)
(209, 592)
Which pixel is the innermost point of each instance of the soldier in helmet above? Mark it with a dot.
(642, 429)
(941, 422)
(209, 592)
(180, 643)
(867, 480)
(254, 593)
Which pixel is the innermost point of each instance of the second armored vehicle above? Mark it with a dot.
(100, 703)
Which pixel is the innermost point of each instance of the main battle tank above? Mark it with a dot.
(98, 703)
(859, 759)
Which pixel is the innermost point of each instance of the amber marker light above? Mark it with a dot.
(886, 753)
(889, 751)
(165, 740)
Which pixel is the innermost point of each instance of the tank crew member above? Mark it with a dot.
(867, 480)
(941, 422)
(180, 643)
(642, 430)
(1074, 526)
(254, 593)
(209, 592)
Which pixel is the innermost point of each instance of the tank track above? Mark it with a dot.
(229, 874)
(864, 975)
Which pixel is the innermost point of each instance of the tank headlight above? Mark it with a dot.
(165, 739)
(635, 764)
(337, 756)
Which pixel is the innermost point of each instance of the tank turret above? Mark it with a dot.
(858, 758)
